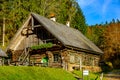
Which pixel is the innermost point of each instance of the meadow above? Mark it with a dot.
(41, 73)
(33, 73)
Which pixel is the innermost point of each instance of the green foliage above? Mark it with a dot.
(46, 45)
(95, 34)
(16, 11)
(106, 67)
(106, 36)
(78, 20)
(33, 73)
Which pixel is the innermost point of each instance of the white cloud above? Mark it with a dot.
(84, 3)
(105, 6)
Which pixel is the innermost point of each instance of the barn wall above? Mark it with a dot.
(77, 60)
(68, 59)
(29, 41)
(53, 56)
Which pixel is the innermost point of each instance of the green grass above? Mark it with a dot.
(92, 76)
(33, 73)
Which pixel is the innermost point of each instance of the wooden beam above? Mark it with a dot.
(33, 25)
(37, 26)
(80, 58)
(3, 40)
(82, 50)
(32, 21)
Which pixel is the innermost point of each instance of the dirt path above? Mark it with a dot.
(112, 78)
(115, 75)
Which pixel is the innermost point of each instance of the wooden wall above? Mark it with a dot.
(81, 60)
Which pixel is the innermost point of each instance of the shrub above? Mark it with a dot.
(41, 46)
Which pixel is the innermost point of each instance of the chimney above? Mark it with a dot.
(52, 17)
(68, 23)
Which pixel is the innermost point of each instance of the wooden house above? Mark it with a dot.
(70, 48)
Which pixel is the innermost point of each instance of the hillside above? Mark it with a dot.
(33, 73)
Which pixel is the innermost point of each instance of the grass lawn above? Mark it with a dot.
(92, 76)
(33, 73)
(41, 73)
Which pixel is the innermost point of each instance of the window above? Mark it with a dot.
(72, 58)
(57, 57)
(77, 59)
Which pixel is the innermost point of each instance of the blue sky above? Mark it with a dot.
(100, 11)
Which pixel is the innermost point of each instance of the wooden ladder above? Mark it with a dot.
(23, 57)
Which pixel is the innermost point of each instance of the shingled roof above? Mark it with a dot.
(68, 36)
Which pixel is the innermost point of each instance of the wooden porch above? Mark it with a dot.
(34, 57)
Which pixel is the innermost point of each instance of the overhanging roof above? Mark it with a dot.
(67, 35)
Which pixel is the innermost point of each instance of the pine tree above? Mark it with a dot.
(16, 11)
(78, 20)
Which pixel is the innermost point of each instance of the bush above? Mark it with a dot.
(106, 66)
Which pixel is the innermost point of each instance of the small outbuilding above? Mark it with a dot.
(2, 55)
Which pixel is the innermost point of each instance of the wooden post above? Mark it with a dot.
(3, 40)
(2, 61)
(93, 62)
(28, 58)
(101, 76)
(32, 26)
(32, 21)
(80, 63)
